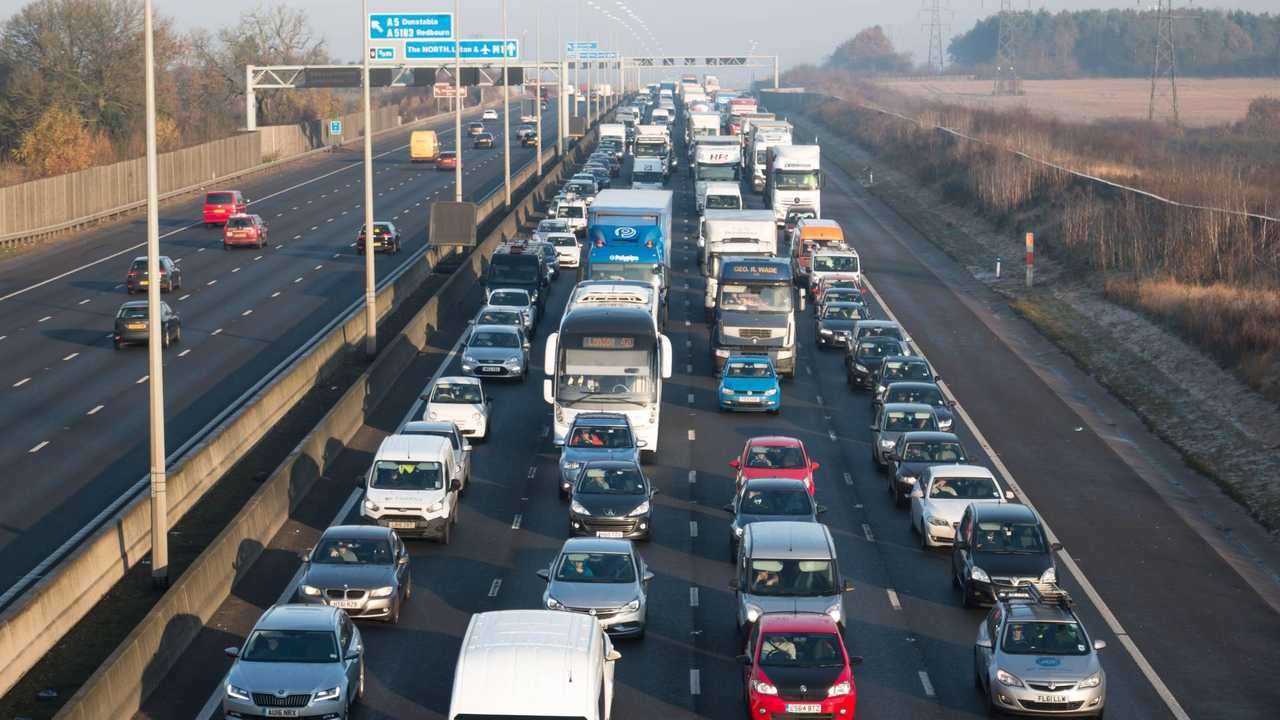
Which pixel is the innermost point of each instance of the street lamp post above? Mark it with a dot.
(155, 330)
(506, 110)
(457, 100)
(370, 296)
(537, 87)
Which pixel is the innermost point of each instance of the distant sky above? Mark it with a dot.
(796, 30)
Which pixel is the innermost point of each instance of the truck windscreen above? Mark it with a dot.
(736, 296)
(728, 173)
(624, 271)
(648, 149)
(795, 179)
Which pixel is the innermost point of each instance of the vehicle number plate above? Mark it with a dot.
(136, 326)
(749, 399)
(401, 524)
(282, 712)
(804, 707)
(142, 282)
(489, 369)
(1051, 698)
(609, 533)
(345, 604)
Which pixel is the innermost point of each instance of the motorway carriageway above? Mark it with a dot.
(75, 410)
(1205, 638)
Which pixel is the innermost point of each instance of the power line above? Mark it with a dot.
(1013, 25)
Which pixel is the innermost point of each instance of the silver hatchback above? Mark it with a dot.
(604, 578)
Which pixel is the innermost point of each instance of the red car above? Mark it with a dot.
(797, 666)
(221, 205)
(245, 231)
(774, 457)
(447, 160)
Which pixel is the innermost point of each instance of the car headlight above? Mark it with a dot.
(722, 353)
(576, 506)
(435, 506)
(634, 604)
(329, 694)
(886, 444)
(1050, 576)
(764, 688)
(468, 360)
(771, 392)
(511, 362)
(641, 509)
(840, 689)
(835, 612)
(825, 331)
(309, 590)
(570, 465)
(1092, 681)
(977, 574)
(553, 604)
(726, 391)
(1007, 678)
(753, 613)
(382, 592)
(909, 479)
(939, 522)
(238, 693)
(879, 390)
(860, 367)
(433, 415)
(371, 506)
(737, 530)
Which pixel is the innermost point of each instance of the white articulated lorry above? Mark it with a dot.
(793, 177)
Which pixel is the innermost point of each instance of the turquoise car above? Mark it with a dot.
(749, 383)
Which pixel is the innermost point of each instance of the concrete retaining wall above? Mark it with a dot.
(124, 681)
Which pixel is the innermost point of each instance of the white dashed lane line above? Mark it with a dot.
(693, 597)
(235, 270)
(94, 410)
(184, 352)
(212, 282)
(247, 313)
(216, 332)
(141, 380)
(275, 294)
(297, 280)
(926, 684)
(84, 301)
(495, 587)
(72, 356)
(39, 447)
(46, 318)
(257, 258)
(184, 297)
(22, 382)
(893, 598)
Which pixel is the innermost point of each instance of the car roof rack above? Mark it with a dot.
(1038, 593)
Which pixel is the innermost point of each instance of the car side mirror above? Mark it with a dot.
(984, 643)
(305, 555)
(648, 576)
(819, 509)
(1099, 644)
(545, 574)
(894, 456)
(814, 466)
(455, 485)
(353, 655)
(426, 397)
(613, 656)
(360, 480)
(743, 659)
(1008, 495)
(800, 293)
(653, 491)
(642, 443)
(1055, 546)
(735, 464)
(872, 428)
(734, 584)
(855, 660)
(404, 560)
(847, 586)
(231, 651)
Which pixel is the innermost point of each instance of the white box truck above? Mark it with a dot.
(793, 177)
(739, 233)
(716, 158)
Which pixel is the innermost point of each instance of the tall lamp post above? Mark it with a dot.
(506, 110)
(537, 87)
(155, 330)
(457, 100)
(370, 296)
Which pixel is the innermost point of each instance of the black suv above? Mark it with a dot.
(998, 547)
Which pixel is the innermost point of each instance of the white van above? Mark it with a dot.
(533, 663)
(412, 487)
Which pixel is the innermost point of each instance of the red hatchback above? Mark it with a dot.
(797, 666)
(245, 231)
(774, 457)
(220, 205)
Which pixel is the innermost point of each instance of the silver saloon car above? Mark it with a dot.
(496, 351)
(362, 569)
(301, 661)
(601, 577)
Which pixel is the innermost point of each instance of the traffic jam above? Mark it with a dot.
(770, 263)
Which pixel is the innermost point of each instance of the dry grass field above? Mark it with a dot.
(1201, 101)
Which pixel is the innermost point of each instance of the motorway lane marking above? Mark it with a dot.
(82, 302)
(141, 380)
(533, 471)
(211, 282)
(297, 280)
(278, 247)
(317, 267)
(297, 237)
(693, 597)
(693, 476)
(315, 227)
(688, 369)
(928, 686)
(1113, 623)
(184, 352)
(693, 528)
(832, 434)
(235, 270)
(692, 434)
(94, 410)
(819, 397)
(257, 258)
(39, 447)
(329, 220)
(848, 479)
(70, 357)
(690, 398)
(46, 318)
(337, 254)
(184, 297)
(22, 382)
(216, 332)
(515, 522)
(866, 531)
(247, 313)
(893, 598)
(495, 587)
(687, 323)
(695, 681)
(201, 250)
(275, 294)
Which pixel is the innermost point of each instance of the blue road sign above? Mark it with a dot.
(335, 127)
(471, 50)
(410, 26)
(573, 47)
(382, 53)
(596, 55)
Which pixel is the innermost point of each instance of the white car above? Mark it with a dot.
(462, 401)
(549, 225)
(568, 248)
(940, 497)
(528, 118)
(489, 115)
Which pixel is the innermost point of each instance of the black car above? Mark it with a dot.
(132, 324)
(386, 238)
(999, 546)
(902, 368)
(916, 451)
(835, 323)
(483, 140)
(863, 358)
(170, 275)
(910, 391)
(769, 500)
(529, 139)
(610, 499)
(518, 267)
(601, 173)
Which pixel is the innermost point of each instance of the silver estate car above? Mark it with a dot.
(496, 351)
(787, 567)
(1032, 656)
(363, 569)
(602, 577)
(303, 661)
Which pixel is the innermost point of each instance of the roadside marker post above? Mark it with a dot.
(1031, 258)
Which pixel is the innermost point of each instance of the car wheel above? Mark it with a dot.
(359, 694)
(993, 710)
(924, 540)
(164, 338)
(408, 586)
(966, 600)
(177, 335)
(446, 535)
(393, 617)
(119, 345)
(226, 246)
(640, 635)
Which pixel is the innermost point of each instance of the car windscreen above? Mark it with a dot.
(929, 395)
(795, 179)
(221, 198)
(511, 271)
(390, 475)
(509, 298)
(1045, 638)
(908, 420)
(904, 370)
(783, 457)
(492, 339)
(723, 202)
(748, 369)
(835, 263)
(352, 551)
(134, 313)
(843, 312)
(291, 646)
(791, 578)
(964, 488)
(550, 225)
(239, 222)
(776, 501)
(842, 294)
(563, 241)
(998, 537)
(499, 317)
(604, 437)
(800, 650)
(611, 481)
(596, 567)
(878, 349)
(456, 393)
(571, 211)
(939, 451)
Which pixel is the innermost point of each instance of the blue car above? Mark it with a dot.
(750, 383)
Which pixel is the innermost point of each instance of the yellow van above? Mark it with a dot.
(423, 146)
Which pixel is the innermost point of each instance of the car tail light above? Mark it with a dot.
(133, 273)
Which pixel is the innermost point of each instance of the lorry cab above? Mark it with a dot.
(412, 486)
